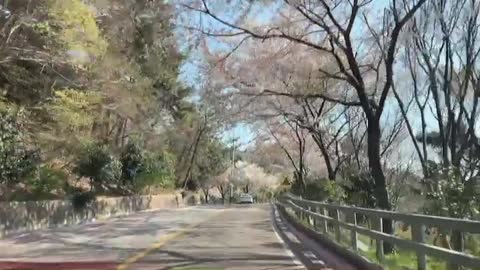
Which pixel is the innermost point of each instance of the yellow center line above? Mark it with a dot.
(162, 241)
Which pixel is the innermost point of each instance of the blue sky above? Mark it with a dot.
(191, 74)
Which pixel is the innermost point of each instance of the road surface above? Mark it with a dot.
(234, 238)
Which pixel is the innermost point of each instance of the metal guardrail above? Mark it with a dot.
(324, 213)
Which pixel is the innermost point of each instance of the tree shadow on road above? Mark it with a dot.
(89, 238)
(169, 260)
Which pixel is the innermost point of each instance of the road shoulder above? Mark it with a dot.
(310, 252)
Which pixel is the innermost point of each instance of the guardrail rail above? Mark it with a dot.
(323, 213)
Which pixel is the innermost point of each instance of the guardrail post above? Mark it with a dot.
(298, 213)
(353, 233)
(325, 222)
(418, 235)
(310, 218)
(378, 224)
(307, 215)
(338, 234)
(303, 215)
(314, 219)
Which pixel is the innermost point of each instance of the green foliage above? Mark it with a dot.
(156, 180)
(16, 161)
(83, 77)
(48, 48)
(25, 82)
(75, 110)
(448, 190)
(212, 160)
(335, 192)
(297, 188)
(43, 28)
(158, 170)
(142, 170)
(154, 46)
(448, 194)
(68, 119)
(79, 32)
(403, 260)
(359, 188)
(132, 161)
(47, 179)
(321, 189)
(96, 162)
(472, 244)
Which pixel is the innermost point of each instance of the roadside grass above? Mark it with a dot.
(400, 260)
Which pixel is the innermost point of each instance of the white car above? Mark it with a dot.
(245, 198)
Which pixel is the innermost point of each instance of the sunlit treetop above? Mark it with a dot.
(77, 28)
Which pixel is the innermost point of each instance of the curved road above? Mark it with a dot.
(200, 238)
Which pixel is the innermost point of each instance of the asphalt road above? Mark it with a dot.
(197, 238)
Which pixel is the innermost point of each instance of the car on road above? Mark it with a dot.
(245, 198)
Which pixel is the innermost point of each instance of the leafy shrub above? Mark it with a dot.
(335, 192)
(472, 243)
(157, 171)
(112, 172)
(16, 161)
(74, 110)
(296, 187)
(96, 163)
(47, 180)
(76, 27)
(449, 194)
(156, 179)
(322, 189)
(132, 161)
(359, 188)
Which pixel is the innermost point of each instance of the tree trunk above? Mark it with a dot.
(192, 159)
(318, 140)
(124, 130)
(106, 127)
(206, 195)
(223, 192)
(300, 181)
(375, 165)
(119, 131)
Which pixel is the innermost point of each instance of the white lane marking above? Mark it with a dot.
(309, 255)
(285, 247)
(318, 262)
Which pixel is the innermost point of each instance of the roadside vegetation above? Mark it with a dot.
(91, 101)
